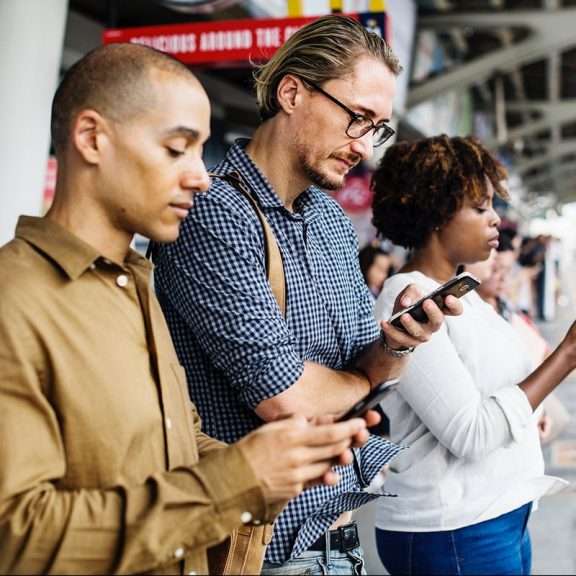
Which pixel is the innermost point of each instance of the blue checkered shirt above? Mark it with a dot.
(235, 345)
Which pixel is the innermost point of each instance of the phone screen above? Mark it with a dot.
(375, 396)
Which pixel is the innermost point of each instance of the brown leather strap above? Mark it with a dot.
(273, 256)
(241, 553)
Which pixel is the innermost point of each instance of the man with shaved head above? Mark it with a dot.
(103, 467)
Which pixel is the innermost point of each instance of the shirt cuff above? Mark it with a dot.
(373, 456)
(232, 485)
(518, 411)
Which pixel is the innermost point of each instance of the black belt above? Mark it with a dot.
(342, 539)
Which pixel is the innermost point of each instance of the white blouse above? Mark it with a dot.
(474, 451)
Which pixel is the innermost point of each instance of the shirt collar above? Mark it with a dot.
(238, 158)
(70, 253)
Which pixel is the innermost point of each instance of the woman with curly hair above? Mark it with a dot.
(465, 405)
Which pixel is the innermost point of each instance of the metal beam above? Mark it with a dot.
(552, 31)
(555, 153)
(564, 171)
(562, 107)
(543, 21)
(553, 114)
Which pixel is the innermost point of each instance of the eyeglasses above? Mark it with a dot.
(359, 125)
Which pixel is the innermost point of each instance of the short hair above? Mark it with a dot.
(322, 50)
(419, 186)
(113, 80)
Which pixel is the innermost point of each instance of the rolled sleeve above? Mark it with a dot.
(276, 376)
(515, 405)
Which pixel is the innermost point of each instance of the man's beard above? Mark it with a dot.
(319, 179)
(316, 177)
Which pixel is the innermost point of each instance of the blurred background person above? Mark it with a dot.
(376, 265)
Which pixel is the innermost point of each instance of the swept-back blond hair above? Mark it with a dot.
(326, 48)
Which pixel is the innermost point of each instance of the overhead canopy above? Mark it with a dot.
(517, 58)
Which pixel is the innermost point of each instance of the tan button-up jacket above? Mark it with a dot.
(103, 467)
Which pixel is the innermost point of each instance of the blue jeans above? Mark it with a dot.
(497, 546)
(313, 562)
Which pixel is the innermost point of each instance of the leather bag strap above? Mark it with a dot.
(273, 256)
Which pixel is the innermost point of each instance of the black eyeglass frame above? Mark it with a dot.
(387, 133)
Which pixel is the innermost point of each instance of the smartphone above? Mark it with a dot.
(375, 396)
(457, 286)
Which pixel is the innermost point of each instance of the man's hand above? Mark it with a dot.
(415, 332)
(290, 454)
(371, 417)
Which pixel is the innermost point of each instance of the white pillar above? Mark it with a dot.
(31, 40)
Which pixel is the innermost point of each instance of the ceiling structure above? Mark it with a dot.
(518, 57)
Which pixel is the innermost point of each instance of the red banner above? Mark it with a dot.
(226, 40)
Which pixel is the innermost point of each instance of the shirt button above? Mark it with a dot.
(122, 280)
(179, 552)
(257, 522)
(245, 517)
(168, 424)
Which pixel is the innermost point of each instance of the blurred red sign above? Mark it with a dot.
(355, 195)
(49, 182)
(226, 40)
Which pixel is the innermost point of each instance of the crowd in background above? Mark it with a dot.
(525, 268)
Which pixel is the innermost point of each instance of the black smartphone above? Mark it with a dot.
(375, 396)
(457, 286)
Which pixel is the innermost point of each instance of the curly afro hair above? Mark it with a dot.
(419, 186)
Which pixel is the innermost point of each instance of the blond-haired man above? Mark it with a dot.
(325, 99)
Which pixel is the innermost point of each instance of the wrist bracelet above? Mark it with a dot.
(394, 352)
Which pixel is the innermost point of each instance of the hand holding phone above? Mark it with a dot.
(374, 397)
(457, 287)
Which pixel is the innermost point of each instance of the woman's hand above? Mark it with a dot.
(415, 333)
